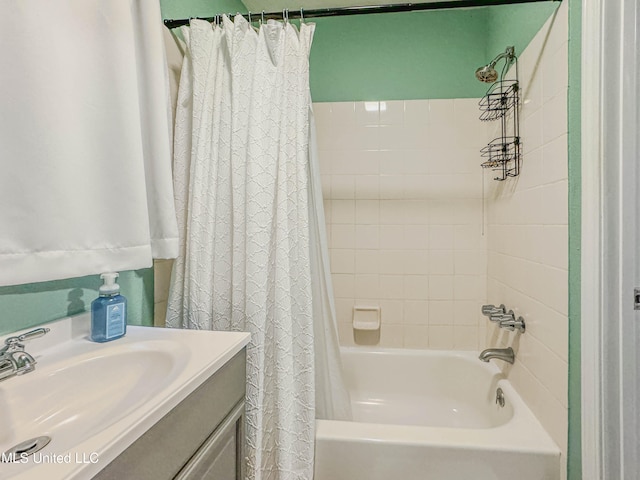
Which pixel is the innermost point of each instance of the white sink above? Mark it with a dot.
(71, 401)
(94, 400)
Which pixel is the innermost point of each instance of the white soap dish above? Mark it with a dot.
(366, 318)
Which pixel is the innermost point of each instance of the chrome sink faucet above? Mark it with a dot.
(506, 354)
(13, 359)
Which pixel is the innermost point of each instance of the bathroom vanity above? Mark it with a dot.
(199, 439)
(156, 404)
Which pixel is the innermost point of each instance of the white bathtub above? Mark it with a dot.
(423, 415)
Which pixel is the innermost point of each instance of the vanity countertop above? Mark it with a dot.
(95, 399)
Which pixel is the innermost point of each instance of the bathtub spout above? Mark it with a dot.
(506, 354)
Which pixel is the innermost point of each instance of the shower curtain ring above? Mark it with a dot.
(262, 18)
(301, 15)
(249, 17)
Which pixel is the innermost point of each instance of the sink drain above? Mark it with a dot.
(24, 449)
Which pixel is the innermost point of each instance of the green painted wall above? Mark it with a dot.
(516, 25)
(574, 460)
(24, 306)
(399, 56)
(412, 55)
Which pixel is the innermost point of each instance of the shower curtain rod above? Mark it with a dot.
(363, 10)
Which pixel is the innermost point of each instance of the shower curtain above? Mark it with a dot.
(243, 200)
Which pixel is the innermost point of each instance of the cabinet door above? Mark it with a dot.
(221, 457)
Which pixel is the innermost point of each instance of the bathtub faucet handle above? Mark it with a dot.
(492, 310)
(513, 324)
(503, 317)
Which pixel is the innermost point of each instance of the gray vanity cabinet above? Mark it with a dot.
(220, 457)
(200, 439)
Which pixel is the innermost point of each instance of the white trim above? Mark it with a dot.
(591, 250)
(626, 134)
(610, 260)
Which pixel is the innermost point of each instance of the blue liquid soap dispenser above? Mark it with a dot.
(108, 311)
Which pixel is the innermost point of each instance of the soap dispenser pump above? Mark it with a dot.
(108, 311)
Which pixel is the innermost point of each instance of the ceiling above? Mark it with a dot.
(277, 5)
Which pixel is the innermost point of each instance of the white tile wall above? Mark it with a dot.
(403, 200)
(528, 233)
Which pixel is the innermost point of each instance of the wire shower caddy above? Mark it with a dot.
(501, 102)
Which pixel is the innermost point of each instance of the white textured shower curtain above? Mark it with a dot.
(241, 178)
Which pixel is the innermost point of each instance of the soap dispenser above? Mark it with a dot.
(108, 311)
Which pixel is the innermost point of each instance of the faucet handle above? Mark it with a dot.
(16, 342)
(503, 317)
(513, 324)
(491, 310)
(38, 332)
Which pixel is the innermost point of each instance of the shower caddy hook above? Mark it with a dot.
(501, 102)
